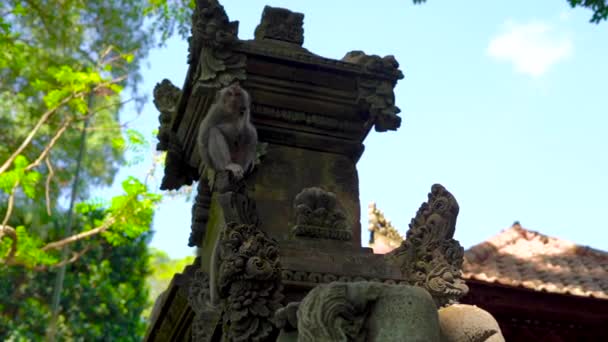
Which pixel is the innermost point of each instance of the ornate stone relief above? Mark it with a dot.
(281, 24)
(430, 257)
(314, 120)
(315, 278)
(249, 282)
(249, 272)
(166, 97)
(206, 316)
(375, 93)
(213, 37)
(318, 216)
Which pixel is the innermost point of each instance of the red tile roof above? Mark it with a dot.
(523, 258)
(520, 258)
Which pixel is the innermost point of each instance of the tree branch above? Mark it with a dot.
(58, 244)
(50, 145)
(33, 132)
(47, 184)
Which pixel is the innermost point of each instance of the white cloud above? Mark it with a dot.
(532, 48)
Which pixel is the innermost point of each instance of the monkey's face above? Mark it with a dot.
(236, 100)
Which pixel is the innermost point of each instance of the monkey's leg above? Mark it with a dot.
(219, 152)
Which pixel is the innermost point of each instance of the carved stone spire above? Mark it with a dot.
(430, 257)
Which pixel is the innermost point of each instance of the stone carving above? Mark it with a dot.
(166, 98)
(322, 278)
(375, 93)
(296, 117)
(177, 170)
(319, 216)
(281, 24)
(210, 44)
(249, 282)
(206, 317)
(237, 206)
(362, 311)
(200, 214)
(430, 257)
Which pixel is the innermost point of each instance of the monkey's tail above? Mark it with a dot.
(200, 213)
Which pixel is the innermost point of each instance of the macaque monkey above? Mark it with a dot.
(226, 138)
(227, 141)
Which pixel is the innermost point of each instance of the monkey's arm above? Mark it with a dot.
(219, 153)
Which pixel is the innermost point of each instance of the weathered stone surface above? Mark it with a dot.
(364, 311)
(468, 323)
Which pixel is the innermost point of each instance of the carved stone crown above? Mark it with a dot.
(281, 24)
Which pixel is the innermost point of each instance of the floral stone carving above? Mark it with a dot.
(430, 257)
(210, 44)
(318, 216)
(249, 282)
(378, 94)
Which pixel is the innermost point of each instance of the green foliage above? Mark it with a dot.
(599, 8)
(104, 295)
(61, 63)
(163, 269)
(19, 176)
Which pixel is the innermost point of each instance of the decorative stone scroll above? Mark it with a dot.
(375, 93)
(210, 45)
(430, 257)
(318, 216)
(166, 97)
(281, 24)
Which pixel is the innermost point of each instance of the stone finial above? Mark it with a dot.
(318, 215)
(430, 257)
(166, 97)
(281, 24)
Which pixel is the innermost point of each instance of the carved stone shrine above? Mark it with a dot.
(289, 265)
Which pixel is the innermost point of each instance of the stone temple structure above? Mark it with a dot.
(289, 265)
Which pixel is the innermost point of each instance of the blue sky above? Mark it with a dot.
(504, 103)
